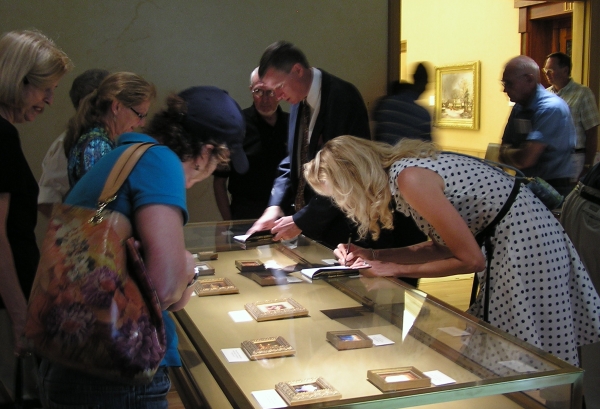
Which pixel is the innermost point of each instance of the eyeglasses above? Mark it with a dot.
(260, 92)
(141, 116)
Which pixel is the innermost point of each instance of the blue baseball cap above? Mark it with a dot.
(213, 115)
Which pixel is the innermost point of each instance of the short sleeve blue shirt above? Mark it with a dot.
(548, 121)
(157, 178)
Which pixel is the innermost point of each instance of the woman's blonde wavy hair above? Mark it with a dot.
(354, 173)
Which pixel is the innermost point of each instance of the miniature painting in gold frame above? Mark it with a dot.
(307, 391)
(275, 309)
(215, 286)
(249, 266)
(268, 278)
(350, 339)
(271, 347)
(457, 96)
(396, 379)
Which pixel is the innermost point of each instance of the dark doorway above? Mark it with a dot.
(546, 28)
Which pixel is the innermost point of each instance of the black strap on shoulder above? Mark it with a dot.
(484, 238)
(488, 230)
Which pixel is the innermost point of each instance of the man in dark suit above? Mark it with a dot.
(334, 108)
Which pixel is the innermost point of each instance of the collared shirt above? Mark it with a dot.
(54, 182)
(546, 119)
(583, 108)
(314, 99)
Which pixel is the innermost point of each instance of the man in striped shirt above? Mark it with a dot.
(584, 110)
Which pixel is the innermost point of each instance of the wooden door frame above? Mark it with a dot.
(585, 34)
(591, 41)
(393, 60)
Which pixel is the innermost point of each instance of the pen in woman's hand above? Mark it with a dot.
(347, 250)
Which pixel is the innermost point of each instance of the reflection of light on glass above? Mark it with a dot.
(431, 100)
(270, 363)
(264, 251)
(412, 306)
(399, 378)
(291, 243)
(272, 264)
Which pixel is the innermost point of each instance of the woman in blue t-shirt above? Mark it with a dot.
(200, 128)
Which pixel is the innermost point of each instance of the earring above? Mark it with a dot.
(197, 167)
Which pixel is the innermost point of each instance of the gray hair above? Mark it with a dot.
(252, 75)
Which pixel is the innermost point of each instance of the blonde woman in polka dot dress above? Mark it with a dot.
(540, 291)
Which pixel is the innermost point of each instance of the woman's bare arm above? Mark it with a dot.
(423, 190)
(169, 265)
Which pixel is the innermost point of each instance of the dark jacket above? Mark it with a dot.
(342, 112)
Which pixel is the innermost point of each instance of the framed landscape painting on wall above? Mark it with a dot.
(457, 96)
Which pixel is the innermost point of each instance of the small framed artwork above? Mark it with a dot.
(457, 96)
(276, 309)
(307, 391)
(271, 277)
(271, 347)
(350, 339)
(204, 269)
(207, 255)
(249, 266)
(214, 286)
(396, 379)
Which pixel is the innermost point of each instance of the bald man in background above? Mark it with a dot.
(539, 136)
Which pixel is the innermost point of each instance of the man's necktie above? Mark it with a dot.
(299, 203)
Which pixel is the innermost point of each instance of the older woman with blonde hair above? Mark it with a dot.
(120, 104)
(31, 66)
(461, 202)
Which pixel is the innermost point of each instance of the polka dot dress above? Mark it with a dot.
(540, 290)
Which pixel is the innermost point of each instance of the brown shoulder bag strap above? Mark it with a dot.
(122, 169)
(117, 177)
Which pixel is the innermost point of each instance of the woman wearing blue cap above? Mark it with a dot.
(197, 129)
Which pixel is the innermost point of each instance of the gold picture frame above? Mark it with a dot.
(457, 94)
(349, 339)
(396, 379)
(249, 266)
(268, 278)
(307, 391)
(275, 309)
(270, 347)
(215, 286)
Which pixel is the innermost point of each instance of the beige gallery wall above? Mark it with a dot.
(459, 31)
(177, 43)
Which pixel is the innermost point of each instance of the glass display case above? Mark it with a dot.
(470, 363)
